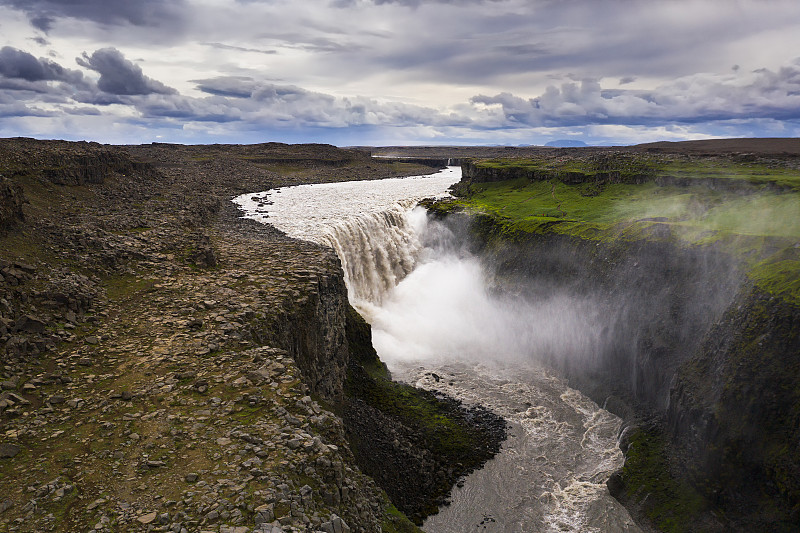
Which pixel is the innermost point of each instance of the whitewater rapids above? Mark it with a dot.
(437, 324)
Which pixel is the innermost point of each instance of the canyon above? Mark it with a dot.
(168, 365)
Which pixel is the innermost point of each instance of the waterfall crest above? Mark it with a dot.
(367, 223)
(377, 251)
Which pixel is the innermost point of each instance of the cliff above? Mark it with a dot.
(165, 364)
(687, 271)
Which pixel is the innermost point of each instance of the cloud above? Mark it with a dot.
(223, 46)
(43, 14)
(18, 64)
(119, 76)
(233, 86)
(691, 99)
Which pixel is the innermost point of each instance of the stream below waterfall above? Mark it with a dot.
(438, 324)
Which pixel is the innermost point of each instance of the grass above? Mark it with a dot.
(625, 167)
(758, 224)
(396, 522)
(755, 173)
(123, 287)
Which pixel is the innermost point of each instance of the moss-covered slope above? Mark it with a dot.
(750, 209)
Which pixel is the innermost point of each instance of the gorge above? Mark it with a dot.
(436, 323)
(168, 365)
(625, 317)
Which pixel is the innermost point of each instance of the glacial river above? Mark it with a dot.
(432, 311)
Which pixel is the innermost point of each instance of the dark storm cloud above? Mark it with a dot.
(120, 76)
(258, 103)
(154, 13)
(19, 64)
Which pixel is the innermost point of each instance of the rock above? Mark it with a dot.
(8, 385)
(147, 518)
(30, 324)
(92, 339)
(74, 403)
(335, 525)
(95, 504)
(8, 450)
(56, 399)
(264, 514)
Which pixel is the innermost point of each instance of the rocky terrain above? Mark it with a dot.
(167, 366)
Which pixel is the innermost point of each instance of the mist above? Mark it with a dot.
(450, 309)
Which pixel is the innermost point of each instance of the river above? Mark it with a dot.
(437, 323)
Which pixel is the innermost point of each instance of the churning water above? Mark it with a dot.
(437, 324)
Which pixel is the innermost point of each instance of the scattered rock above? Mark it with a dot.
(8, 450)
(30, 324)
(147, 518)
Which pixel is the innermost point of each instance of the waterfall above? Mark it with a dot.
(437, 323)
(377, 251)
(368, 223)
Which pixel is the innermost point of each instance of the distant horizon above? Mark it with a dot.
(415, 145)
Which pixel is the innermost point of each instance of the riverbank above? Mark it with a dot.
(691, 262)
(167, 365)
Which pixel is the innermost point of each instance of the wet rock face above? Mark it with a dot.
(691, 351)
(644, 306)
(733, 412)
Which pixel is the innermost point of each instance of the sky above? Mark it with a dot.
(399, 72)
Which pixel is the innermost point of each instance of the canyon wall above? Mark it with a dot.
(701, 363)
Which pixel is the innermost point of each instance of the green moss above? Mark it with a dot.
(396, 522)
(780, 275)
(672, 505)
(125, 286)
(445, 433)
(751, 223)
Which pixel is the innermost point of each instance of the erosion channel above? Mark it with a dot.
(442, 321)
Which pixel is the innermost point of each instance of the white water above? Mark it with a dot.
(436, 324)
